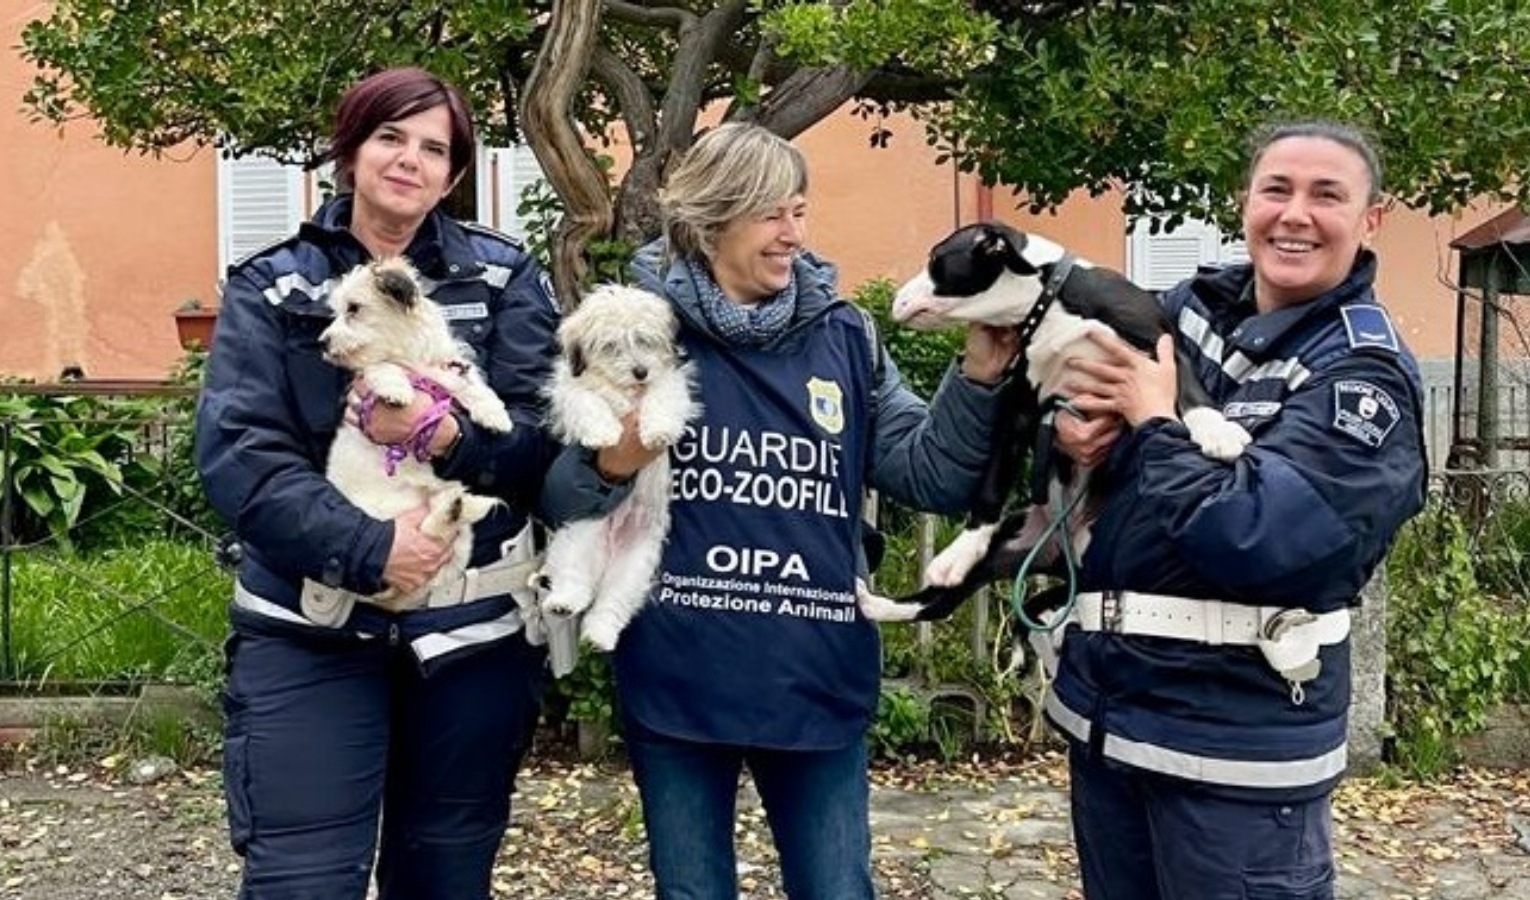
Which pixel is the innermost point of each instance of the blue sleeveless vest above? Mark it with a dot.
(752, 635)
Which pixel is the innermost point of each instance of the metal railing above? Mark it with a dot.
(90, 469)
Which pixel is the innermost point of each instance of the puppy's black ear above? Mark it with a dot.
(576, 362)
(1006, 245)
(398, 287)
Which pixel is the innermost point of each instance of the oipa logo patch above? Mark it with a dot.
(827, 404)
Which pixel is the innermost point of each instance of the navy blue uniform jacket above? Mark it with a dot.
(1302, 519)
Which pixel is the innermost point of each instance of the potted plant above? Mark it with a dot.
(194, 324)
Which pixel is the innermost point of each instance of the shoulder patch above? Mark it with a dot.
(262, 250)
(494, 233)
(1363, 411)
(1370, 326)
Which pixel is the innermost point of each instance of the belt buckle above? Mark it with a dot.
(1111, 611)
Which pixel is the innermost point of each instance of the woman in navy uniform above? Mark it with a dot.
(337, 711)
(751, 652)
(1205, 685)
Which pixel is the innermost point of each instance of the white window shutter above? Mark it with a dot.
(260, 201)
(1232, 253)
(503, 174)
(1159, 261)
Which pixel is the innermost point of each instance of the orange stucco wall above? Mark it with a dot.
(97, 248)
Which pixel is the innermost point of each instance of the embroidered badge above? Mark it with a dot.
(1364, 412)
(1251, 409)
(464, 311)
(826, 403)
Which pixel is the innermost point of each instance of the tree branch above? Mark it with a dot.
(572, 33)
(699, 39)
(807, 96)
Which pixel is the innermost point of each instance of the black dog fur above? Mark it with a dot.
(997, 275)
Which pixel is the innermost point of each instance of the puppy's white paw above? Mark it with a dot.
(389, 383)
(1217, 437)
(602, 433)
(660, 432)
(877, 608)
(602, 630)
(565, 603)
(952, 564)
(494, 418)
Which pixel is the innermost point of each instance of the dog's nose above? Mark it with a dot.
(640, 372)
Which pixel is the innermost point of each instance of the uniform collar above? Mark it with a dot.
(440, 249)
(1230, 292)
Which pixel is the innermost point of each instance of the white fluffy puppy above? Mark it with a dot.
(386, 330)
(618, 354)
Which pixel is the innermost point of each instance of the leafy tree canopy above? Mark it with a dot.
(1047, 97)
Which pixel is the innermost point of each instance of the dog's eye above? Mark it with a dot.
(352, 309)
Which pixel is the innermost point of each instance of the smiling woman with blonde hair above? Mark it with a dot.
(752, 652)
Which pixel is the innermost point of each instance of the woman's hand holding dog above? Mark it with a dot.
(623, 459)
(1123, 380)
(989, 351)
(386, 424)
(414, 556)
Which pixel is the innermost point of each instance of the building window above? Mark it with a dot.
(1162, 260)
(261, 201)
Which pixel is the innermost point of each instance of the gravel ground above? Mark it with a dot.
(89, 833)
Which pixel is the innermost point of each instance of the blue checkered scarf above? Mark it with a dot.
(738, 324)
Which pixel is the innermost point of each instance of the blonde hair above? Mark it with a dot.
(734, 171)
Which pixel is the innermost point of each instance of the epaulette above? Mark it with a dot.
(263, 250)
(494, 233)
(1368, 325)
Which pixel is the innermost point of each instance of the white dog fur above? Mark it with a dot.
(618, 354)
(384, 329)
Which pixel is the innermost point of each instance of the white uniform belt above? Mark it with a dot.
(504, 576)
(1187, 619)
(330, 606)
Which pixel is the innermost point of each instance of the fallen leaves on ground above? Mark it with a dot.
(82, 833)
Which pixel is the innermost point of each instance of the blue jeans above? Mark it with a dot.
(325, 733)
(815, 801)
(1145, 837)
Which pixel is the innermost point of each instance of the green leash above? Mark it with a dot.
(1055, 529)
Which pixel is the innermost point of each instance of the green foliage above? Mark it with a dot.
(587, 694)
(902, 723)
(1158, 96)
(1455, 650)
(72, 458)
(155, 75)
(1047, 98)
(939, 37)
(76, 741)
(922, 357)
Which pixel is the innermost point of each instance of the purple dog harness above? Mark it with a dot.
(417, 444)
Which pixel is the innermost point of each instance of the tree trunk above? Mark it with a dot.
(555, 139)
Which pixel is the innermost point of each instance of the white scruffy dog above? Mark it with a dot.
(388, 331)
(618, 354)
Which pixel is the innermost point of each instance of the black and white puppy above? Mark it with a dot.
(996, 275)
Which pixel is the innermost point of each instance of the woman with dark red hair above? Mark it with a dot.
(340, 713)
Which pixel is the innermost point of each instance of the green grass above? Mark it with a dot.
(154, 611)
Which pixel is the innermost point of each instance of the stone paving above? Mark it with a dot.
(1464, 839)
